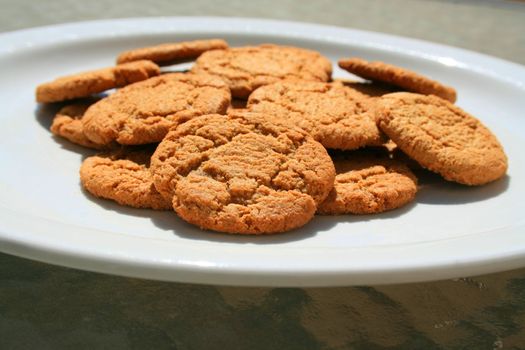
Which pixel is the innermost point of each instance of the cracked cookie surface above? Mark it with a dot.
(67, 123)
(242, 173)
(404, 78)
(144, 112)
(124, 177)
(368, 183)
(247, 68)
(92, 82)
(442, 137)
(336, 116)
(169, 52)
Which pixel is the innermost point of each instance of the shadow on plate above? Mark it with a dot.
(45, 112)
(170, 222)
(433, 189)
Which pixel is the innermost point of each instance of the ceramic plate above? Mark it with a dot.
(449, 231)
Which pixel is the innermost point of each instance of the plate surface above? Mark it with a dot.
(450, 231)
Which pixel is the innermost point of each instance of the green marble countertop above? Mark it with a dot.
(49, 307)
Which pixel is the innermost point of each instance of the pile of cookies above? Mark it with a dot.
(259, 139)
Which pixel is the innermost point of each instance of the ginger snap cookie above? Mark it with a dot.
(67, 123)
(367, 183)
(246, 68)
(124, 177)
(404, 78)
(442, 137)
(242, 173)
(336, 116)
(170, 52)
(92, 82)
(144, 112)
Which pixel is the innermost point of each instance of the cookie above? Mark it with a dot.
(242, 173)
(92, 82)
(404, 78)
(246, 68)
(67, 123)
(170, 52)
(368, 183)
(442, 137)
(123, 177)
(144, 112)
(336, 116)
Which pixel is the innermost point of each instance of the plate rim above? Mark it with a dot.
(220, 272)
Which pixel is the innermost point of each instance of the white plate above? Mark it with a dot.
(450, 231)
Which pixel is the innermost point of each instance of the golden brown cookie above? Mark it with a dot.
(242, 173)
(401, 77)
(336, 116)
(368, 183)
(92, 82)
(170, 52)
(68, 124)
(144, 112)
(123, 177)
(246, 68)
(442, 137)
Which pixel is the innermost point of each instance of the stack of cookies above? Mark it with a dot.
(260, 139)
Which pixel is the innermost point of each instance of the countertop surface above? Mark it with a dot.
(49, 307)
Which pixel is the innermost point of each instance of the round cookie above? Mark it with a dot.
(404, 78)
(368, 183)
(442, 137)
(246, 68)
(92, 82)
(242, 173)
(67, 123)
(144, 112)
(336, 116)
(123, 177)
(167, 53)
